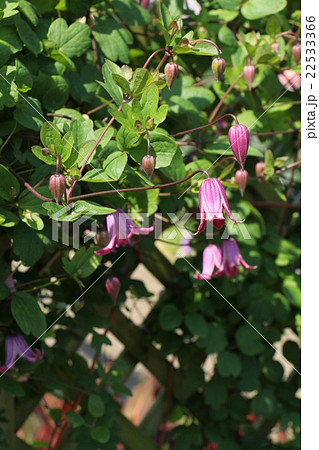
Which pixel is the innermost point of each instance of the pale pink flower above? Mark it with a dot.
(290, 80)
(231, 259)
(212, 257)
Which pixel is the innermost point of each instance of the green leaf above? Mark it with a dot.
(27, 314)
(95, 406)
(27, 244)
(141, 79)
(71, 41)
(110, 85)
(23, 78)
(131, 13)
(228, 364)
(122, 83)
(76, 420)
(9, 92)
(291, 289)
(269, 164)
(100, 434)
(196, 324)
(113, 39)
(170, 317)
(7, 218)
(83, 263)
(37, 151)
(163, 148)
(33, 220)
(28, 113)
(149, 101)
(265, 403)
(114, 165)
(215, 393)
(29, 11)
(273, 26)
(257, 9)
(28, 36)
(9, 186)
(215, 341)
(11, 385)
(56, 94)
(51, 138)
(248, 340)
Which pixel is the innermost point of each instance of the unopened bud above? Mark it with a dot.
(113, 286)
(239, 141)
(149, 122)
(57, 185)
(102, 238)
(249, 74)
(241, 177)
(259, 168)
(184, 43)
(275, 47)
(174, 27)
(218, 66)
(296, 52)
(171, 72)
(148, 164)
(45, 151)
(138, 125)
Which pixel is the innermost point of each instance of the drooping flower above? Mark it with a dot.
(218, 67)
(241, 177)
(249, 74)
(231, 259)
(120, 229)
(148, 164)
(239, 141)
(171, 72)
(212, 257)
(113, 286)
(290, 80)
(57, 185)
(16, 345)
(212, 201)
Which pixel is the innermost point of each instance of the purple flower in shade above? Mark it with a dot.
(113, 286)
(231, 258)
(120, 229)
(212, 200)
(16, 345)
(239, 141)
(212, 257)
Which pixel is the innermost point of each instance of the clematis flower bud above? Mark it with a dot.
(113, 286)
(171, 72)
(296, 52)
(218, 66)
(249, 74)
(239, 141)
(57, 185)
(241, 177)
(259, 168)
(148, 163)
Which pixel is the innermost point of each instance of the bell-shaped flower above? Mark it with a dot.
(239, 141)
(212, 201)
(212, 257)
(113, 287)
(290, 80)
(120, 229)
(16, 345)
(231, 259)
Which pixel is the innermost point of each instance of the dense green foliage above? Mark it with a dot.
(61, 60)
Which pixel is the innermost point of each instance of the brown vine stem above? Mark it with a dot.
(152, 56)
(213, 114)
(142, 188)
(77, 402)
(97, 108)
(290, 166)
(210, 124)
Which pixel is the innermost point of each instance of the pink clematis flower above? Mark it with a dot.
(290, 80)
(212, 200)
(113, 287)
(239, 141)
(16, 345)
(231, 258)
(212, 257)
(120, 229)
